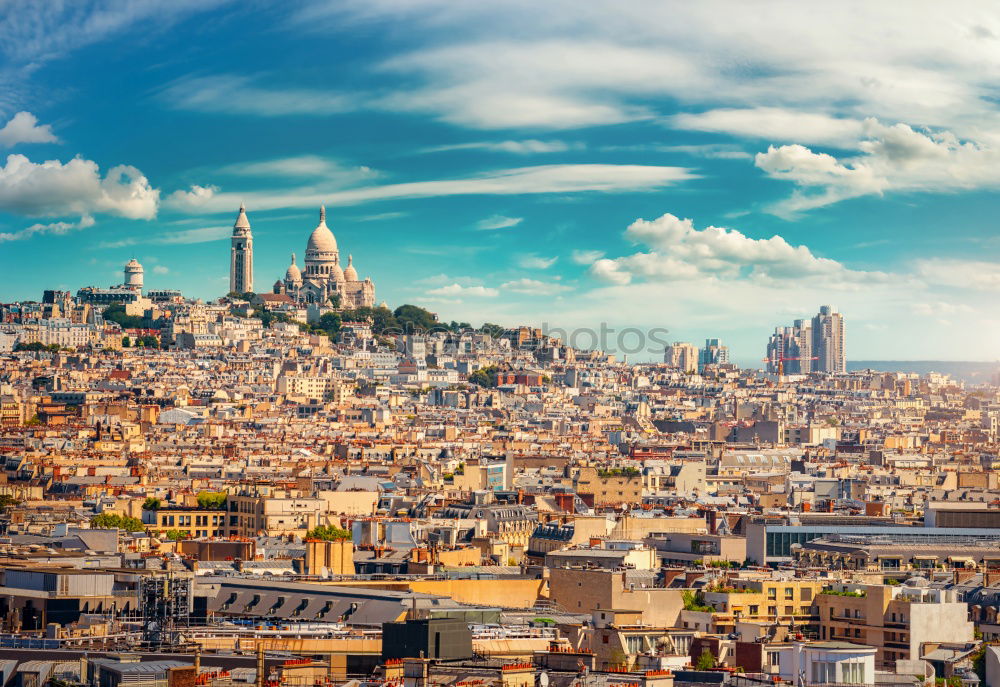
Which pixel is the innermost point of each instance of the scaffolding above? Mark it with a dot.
(165, 603)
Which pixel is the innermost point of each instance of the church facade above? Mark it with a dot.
(323, 281)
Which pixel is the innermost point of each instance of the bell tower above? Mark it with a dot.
(241, 255)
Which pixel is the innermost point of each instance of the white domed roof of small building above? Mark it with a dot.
(132, 264)
(293, 273)
(322, 240)
(336, 274)
(350, 274)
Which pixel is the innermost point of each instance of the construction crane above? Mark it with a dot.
(781, 361)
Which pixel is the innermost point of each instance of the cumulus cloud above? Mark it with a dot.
(498, 222)
(160, 269)
(197, 197)
(50, 228)
(53, 188)
(535, 287)
(536, 262)
(24, 128)
(456, 290)
(891, 158)
(678, 251)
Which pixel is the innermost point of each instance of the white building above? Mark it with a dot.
(324, 279)
(824, 663)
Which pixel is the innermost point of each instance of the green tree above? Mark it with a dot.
(35, 347)
(329, 324)
(151, 503)
(485, 377)
(177, 535)
(6, 501)
(328, 533)
(150, 341)
(113, 521)
(116, 313)
(412, 318)
(126, 342)
(212, 500)
(706, 661)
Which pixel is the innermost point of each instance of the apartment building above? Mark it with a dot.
(898, 620)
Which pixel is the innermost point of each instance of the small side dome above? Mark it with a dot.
(350, 274)
(293, 273)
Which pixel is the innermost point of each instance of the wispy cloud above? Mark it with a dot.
(531, 146)
(232, 94)
(50, 228)
(569, 178)
(498, 222)
(536, 262)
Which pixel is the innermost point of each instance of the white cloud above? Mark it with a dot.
(24, 128)
(530, 146)
(774, 124)
(457, 290)
(160, 269)
(534, 287)
(201, 235)
(677, 251)
(892, 158)
(498, 222)
(978, 275)
(313, 166)
(197, 197)
(230, 94)
(521, 180)
(50, 228)
(939, 308)
(536, 262)
(482, 65)
(586, 257)
(53, 188)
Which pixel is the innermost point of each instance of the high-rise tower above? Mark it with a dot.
(241, 255)
(828, 340)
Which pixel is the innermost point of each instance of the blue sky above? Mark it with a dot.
(714, 169)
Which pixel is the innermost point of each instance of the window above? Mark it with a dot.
(754, 610)
(772, 592)
(774, 659)
(789, 593)
(772, 610)
(806, 594)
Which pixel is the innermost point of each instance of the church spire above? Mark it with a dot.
(322, 214)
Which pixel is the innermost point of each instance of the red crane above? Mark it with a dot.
(781, 361)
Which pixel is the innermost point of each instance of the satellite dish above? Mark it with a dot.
(543, 679)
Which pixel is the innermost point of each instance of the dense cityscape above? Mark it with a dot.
(296, 486)
(423, 343)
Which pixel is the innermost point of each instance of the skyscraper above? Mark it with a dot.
(241, 255)
(828, 340)
(789, 350)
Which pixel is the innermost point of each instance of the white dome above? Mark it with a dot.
(336, 274)
(133, 263)
(293, 273)
(350, 274)
(321, 240)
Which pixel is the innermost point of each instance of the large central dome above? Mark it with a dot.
(321, 240)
